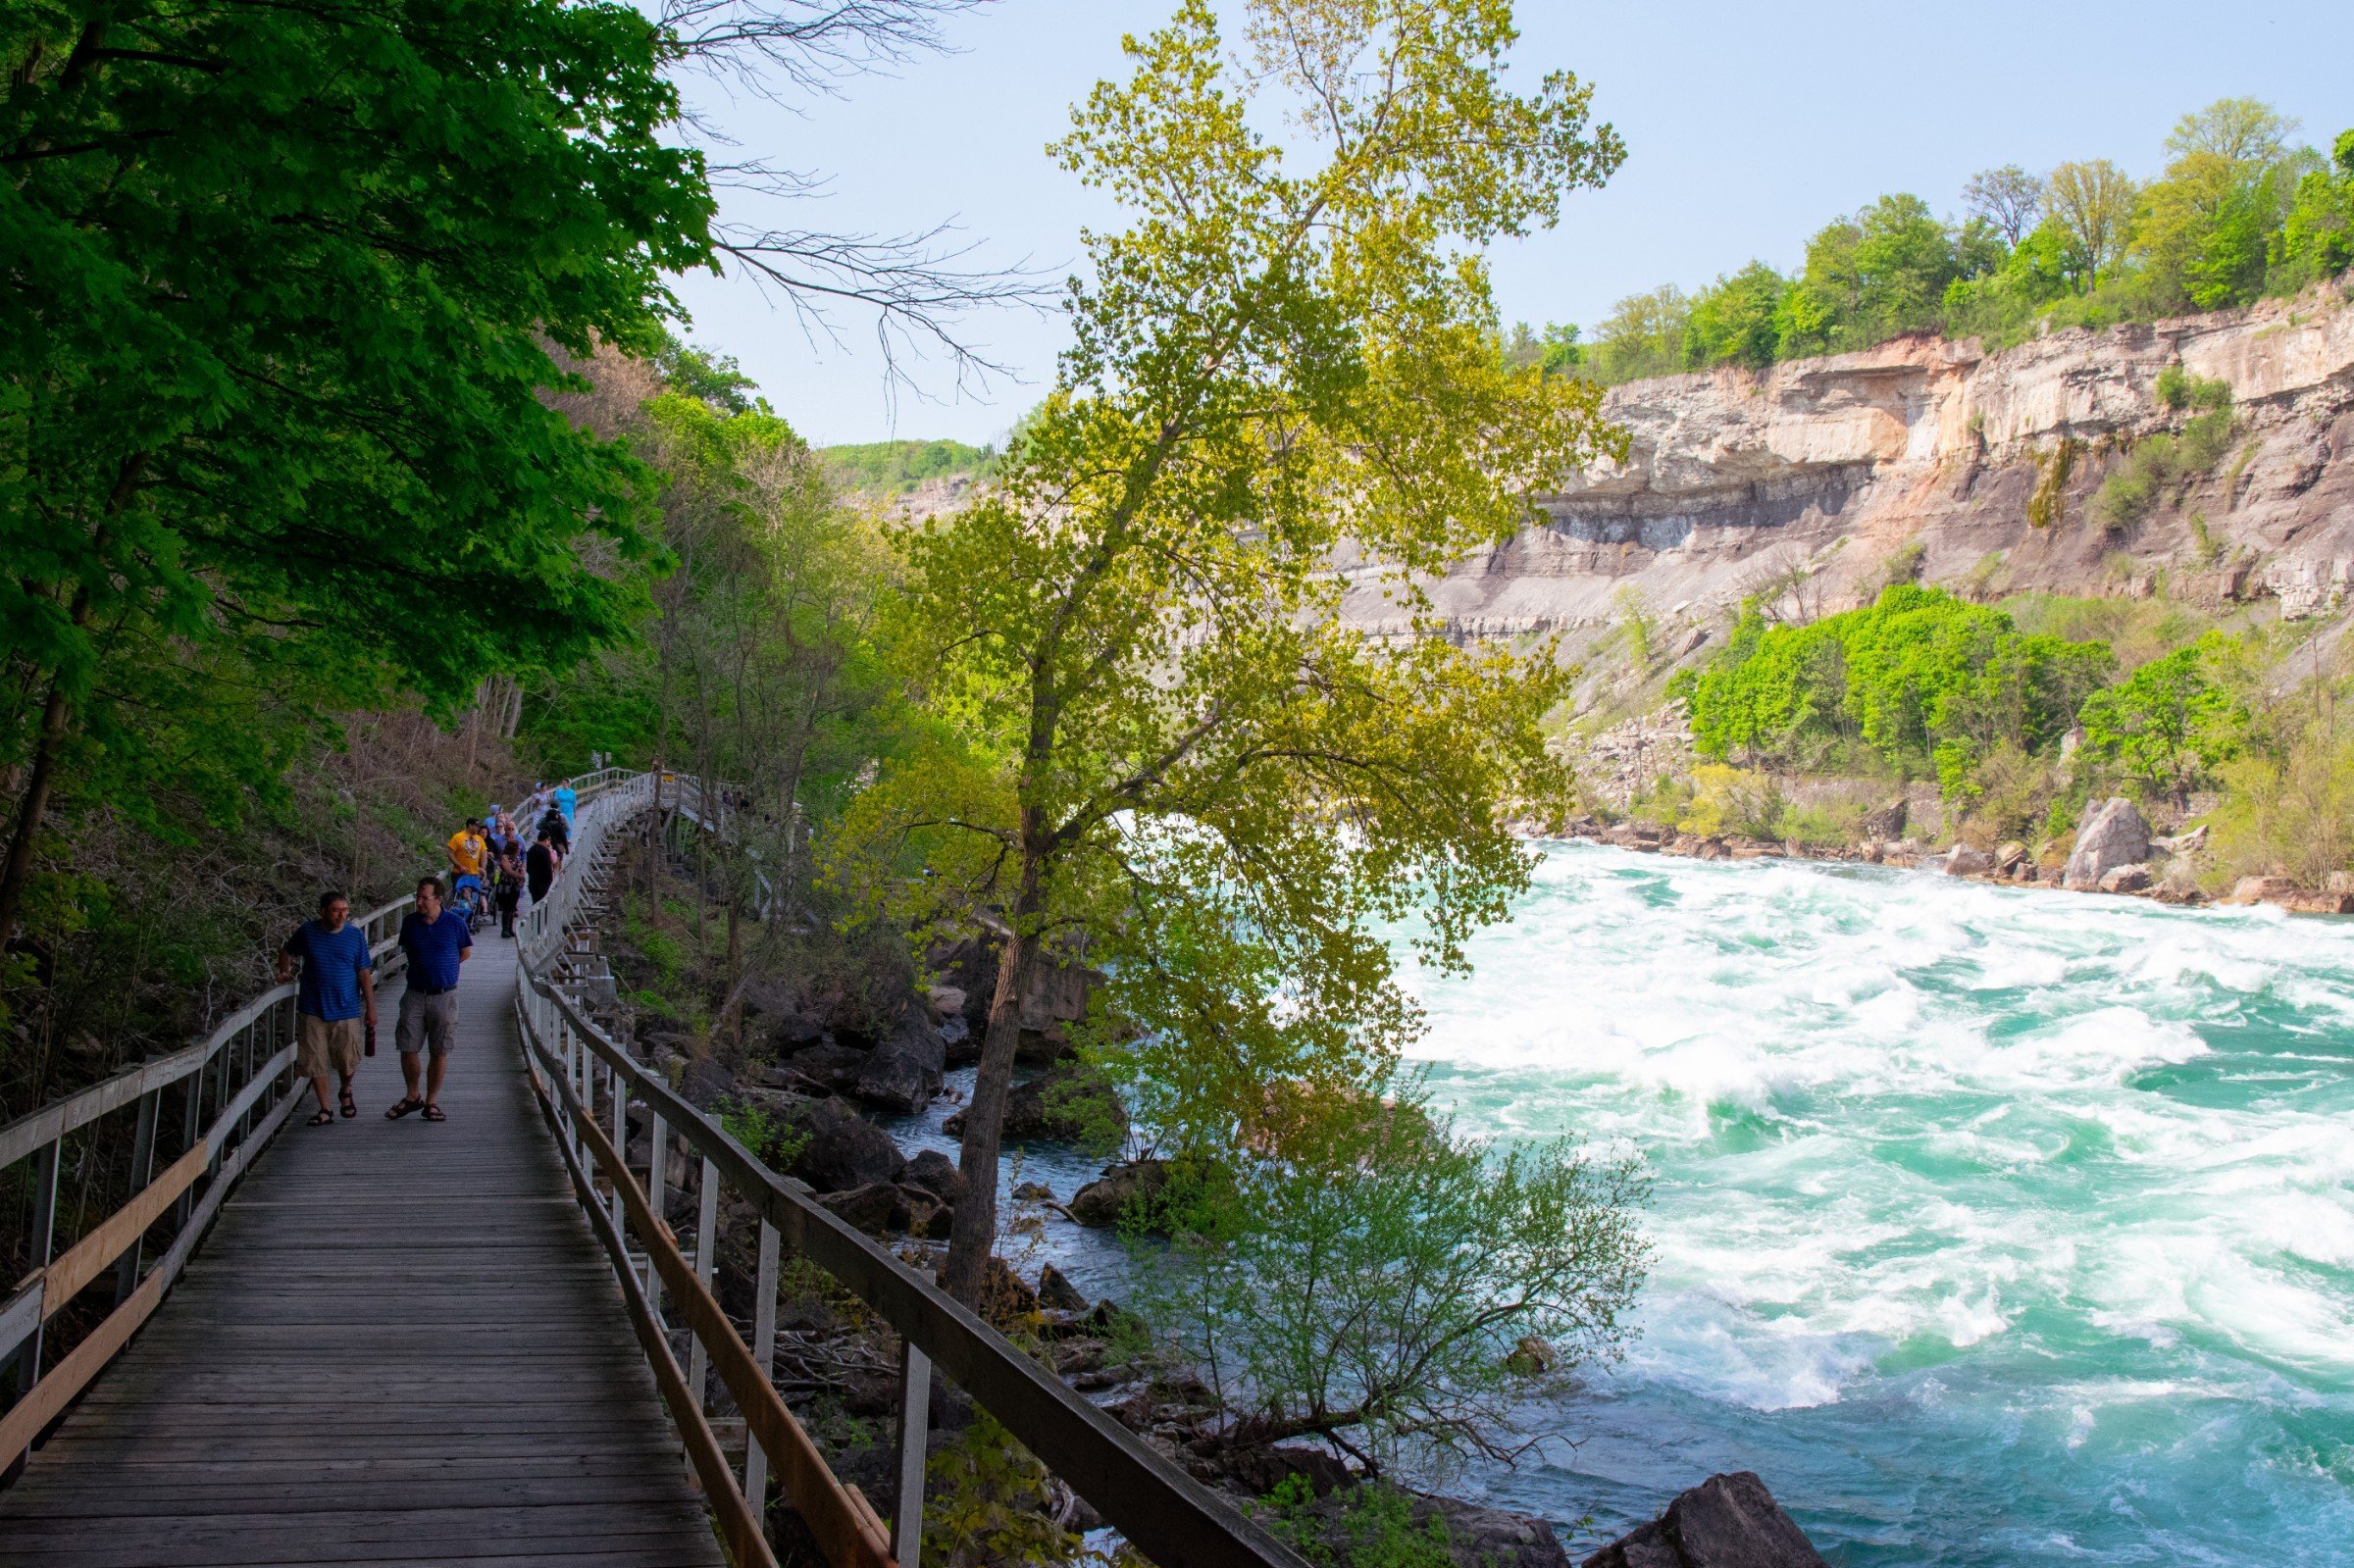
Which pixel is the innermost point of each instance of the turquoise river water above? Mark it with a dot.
(1994, 1227)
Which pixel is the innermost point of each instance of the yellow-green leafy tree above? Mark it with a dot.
(1152, 739)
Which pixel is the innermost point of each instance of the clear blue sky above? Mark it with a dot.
(1748, 125)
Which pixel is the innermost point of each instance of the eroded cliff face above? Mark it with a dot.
(1814, 482)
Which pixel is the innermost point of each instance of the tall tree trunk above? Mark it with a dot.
(33, 806)
(974, 1235)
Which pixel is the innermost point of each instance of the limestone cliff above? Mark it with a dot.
(1817, 480)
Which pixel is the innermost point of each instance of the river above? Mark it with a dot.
(1994, 1227)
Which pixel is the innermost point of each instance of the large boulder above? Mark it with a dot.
(937, 1175)
(1964, 861)
(2112, 836)
(2131, 879)
(1887, 824)
(904, 1073)
(841, 1150)
(818, 1069)
(1725, 1522)
(875, 1208)
(1102, 1203)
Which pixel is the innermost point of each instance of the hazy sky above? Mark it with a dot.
(1748, 126)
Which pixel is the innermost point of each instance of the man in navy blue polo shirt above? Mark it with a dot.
(339, 988)
(437, 941)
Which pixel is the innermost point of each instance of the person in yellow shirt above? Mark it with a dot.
(468, 851)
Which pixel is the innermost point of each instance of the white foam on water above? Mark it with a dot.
(1897, 1121)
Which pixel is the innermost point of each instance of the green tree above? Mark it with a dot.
(2316, 239)
(2093, 203)
(1732, 320)
(2168, 724)
(279, 292)
(1643, 336)
(1154, 741)
(2205, 228)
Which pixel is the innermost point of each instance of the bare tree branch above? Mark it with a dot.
(770, 47)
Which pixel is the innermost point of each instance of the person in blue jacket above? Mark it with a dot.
(436, 940)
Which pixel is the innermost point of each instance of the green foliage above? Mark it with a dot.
(1733, 320)
(1372, 1272)
(892, 468)
(985, 1504)
(2316, 238)
(775, 1142)
(1370, 1525)
(1922, 680)
(712, 377)
(2158, 464)
(1554, 352)
(1643, 337)
(1734, 800)
(282, 289)
(2167, 724)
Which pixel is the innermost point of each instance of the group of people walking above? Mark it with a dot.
(335, 1002)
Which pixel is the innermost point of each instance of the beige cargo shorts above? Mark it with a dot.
(325, 1045)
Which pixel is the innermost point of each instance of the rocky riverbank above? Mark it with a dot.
(2114, 852)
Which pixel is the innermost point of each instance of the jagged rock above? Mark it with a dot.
(2010, 857)
(936, 1174)
(876, 1208)
(1725, 1522)
(705, 1083)
(1055, 1291)
(1887, 824)
(1005, 1294)
(960, 1044)
(1033, 1193)
(1532, 1357)
(2124, 878)
(843, 1150)
(1477, 1536)
(1259, 1471)
(822, 1069)
(946, 1001)
(1067, 1103)
(2113, 836)
(2263, 891)
(1101, 1202)
(2178, 889)
(1964, 861)
(904, 1073)
(2309, 902)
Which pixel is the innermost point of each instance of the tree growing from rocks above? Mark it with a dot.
(1150, 740)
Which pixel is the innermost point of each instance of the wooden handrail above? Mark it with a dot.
(1172, 1518)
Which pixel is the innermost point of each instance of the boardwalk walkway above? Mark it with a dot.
(400, 1345)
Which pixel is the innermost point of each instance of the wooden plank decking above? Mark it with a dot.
(400, 1345)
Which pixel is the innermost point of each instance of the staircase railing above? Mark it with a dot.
(587, 1082)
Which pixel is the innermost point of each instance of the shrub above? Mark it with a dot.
(1371, 1275)
(1736, 800)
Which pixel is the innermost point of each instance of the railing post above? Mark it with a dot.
(706, 1255)
(765, 1357)
(189, 1122)
(915, 1426)
(657, 1192)
(143, 1170)
(619, 1089)
(43, 1241)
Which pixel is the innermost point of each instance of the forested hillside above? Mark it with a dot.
(2241, 211)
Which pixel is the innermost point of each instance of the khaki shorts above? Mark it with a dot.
(323, 1045)
(427, 1023)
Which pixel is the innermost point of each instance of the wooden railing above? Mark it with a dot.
(587, 1082)
(232, 1094)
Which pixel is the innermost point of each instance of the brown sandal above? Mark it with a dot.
(401, 1107)
(432, 1113)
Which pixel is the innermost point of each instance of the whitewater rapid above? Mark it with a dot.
(1994, 1227)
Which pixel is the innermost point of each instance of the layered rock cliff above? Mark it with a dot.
(1814, 482)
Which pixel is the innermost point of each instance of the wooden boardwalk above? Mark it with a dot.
(400, 1345)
